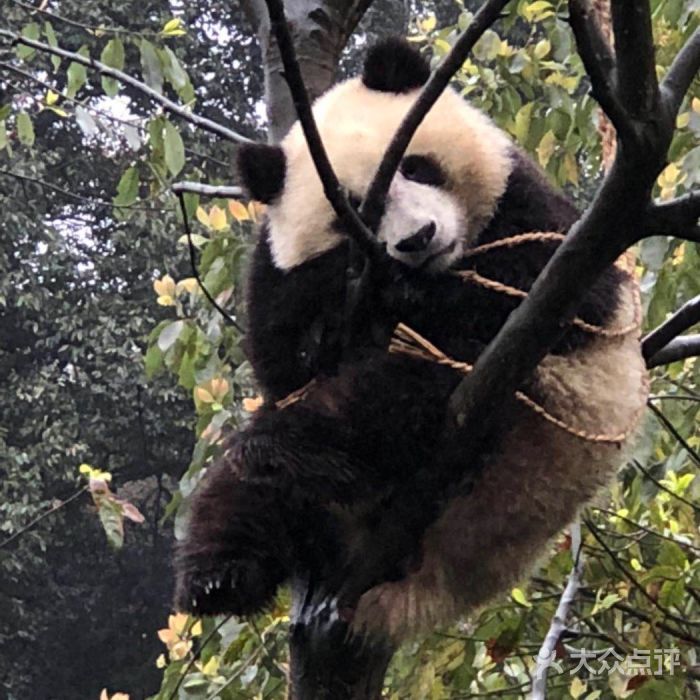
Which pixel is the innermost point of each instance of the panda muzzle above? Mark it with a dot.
(419, 241)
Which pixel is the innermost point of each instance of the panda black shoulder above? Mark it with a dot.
(393, 65)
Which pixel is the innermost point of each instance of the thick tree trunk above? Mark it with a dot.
(320, 30)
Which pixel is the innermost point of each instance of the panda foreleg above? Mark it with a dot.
(237, 549)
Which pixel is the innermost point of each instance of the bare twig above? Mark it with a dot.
(665, 489)
(688, 315)
(195, 272)
(373, 207)
(206, 190)
(172, 107)
(39, 518)
(633, 580)
(648, 530)
(672, 429)
(683, 71)
(332, 188)
(195, 656)
(558, 624)
(77, 197)
(90, 29)
(678, 349)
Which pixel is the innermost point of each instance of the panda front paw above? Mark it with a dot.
(238, 587)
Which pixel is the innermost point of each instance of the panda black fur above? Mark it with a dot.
(300, 488)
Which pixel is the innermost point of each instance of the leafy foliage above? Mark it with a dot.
(92, 281)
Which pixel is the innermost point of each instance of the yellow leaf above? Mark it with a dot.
(165, 300)
(542, 48)
(251, 405)
(211, 668)
(196, 629)
(85, 469)
(161, 662)
(202, 217)
(51, 97)
(571, 168)
(167, 636)
(164, 286)
(577, 688)
(256, 210)
(518, 595)
(203, 395)
(545, 150)
(678, 255)
(219, 388)
(179, 650)
(178, 622)
(682, 120)
(695, 105)
(173, 27)
(428, 24)
(189, 284)
(238, 210)
(217, 218)
(442, 46)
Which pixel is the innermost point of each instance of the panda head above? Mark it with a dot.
(445, 191)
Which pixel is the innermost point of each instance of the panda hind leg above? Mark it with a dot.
(237, 548)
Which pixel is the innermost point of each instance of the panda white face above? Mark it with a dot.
(424, 226)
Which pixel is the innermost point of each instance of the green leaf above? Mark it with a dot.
(169, 335)
(52, 41)
(30, 31)
(128, 188)
(3, 135)
(25, 129)
(173, 70)
(5, 111)
(151, 67)
(77, 74)
(153, 361)
(113, 56)
(174, 149)
(85, 121)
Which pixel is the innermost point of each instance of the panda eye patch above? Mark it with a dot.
(422, 169)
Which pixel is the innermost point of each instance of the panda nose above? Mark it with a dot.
(418, 241)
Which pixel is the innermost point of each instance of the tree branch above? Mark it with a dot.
(172, 107)
(678, 349)
(558, 624)
(683, 71)
(77, 197)
(39, 518)
(636, 81)
(331, 186)
(182, 187)
(678, 218)
(688, 315)
(373, 207)
(195, 272)
(598, 61)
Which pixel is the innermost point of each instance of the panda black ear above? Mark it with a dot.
(262, 169)
(393, 65)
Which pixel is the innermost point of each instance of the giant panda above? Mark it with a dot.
(348, 427)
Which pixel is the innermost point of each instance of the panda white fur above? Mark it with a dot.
(302, 487)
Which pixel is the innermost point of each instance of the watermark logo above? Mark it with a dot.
(599, 662)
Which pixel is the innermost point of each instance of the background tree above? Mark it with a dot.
(78, 304)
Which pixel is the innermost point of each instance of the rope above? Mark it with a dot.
(501, 288)
(406, 341)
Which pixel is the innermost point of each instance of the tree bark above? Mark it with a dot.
(320, 30)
